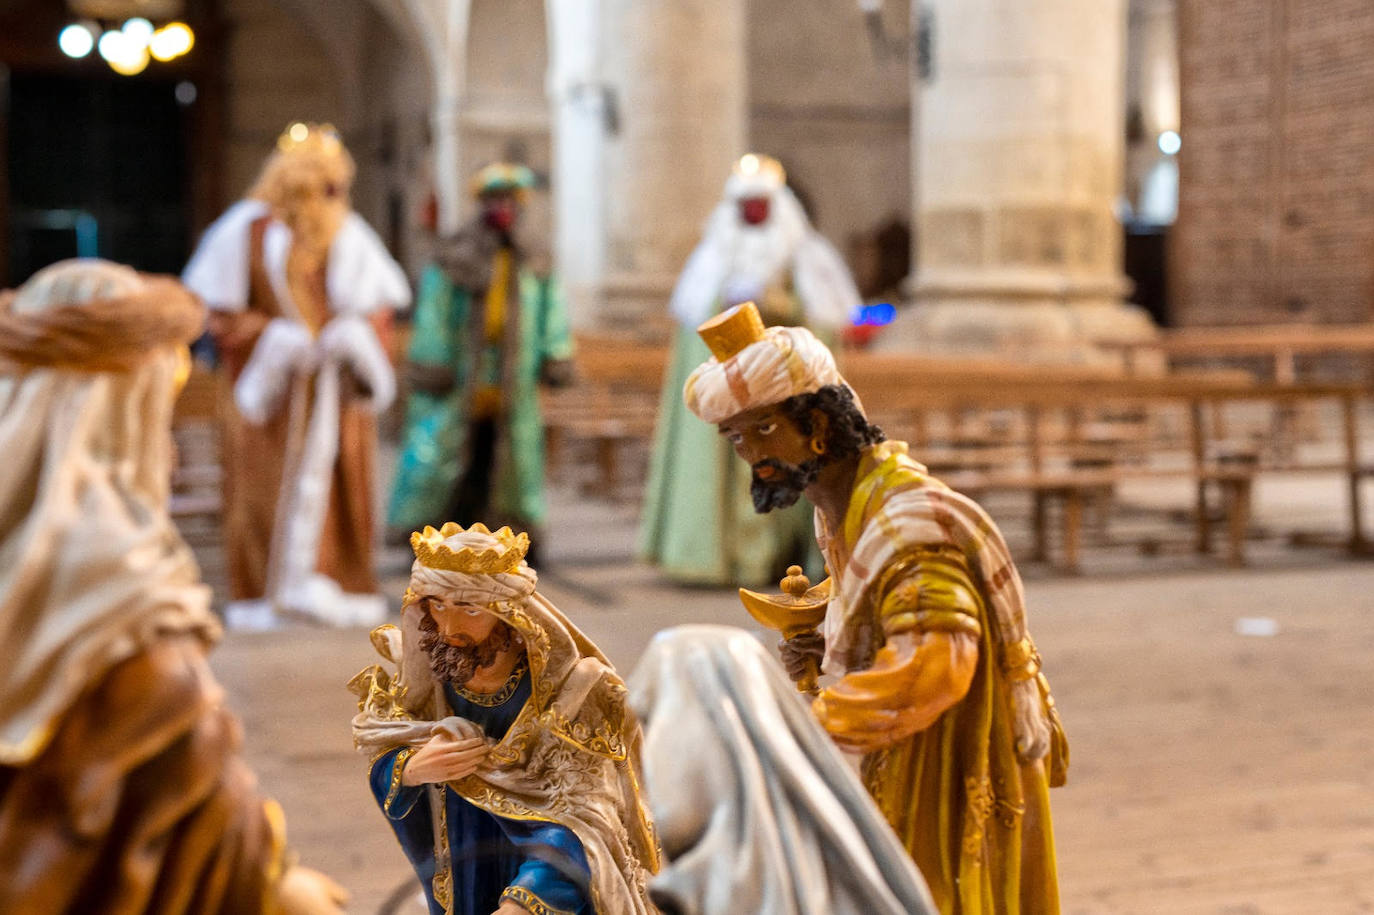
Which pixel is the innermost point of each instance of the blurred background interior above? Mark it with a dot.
(1119, 258)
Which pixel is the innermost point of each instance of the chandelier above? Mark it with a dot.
(124, 32)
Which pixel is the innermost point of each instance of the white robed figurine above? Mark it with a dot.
(698, 525)
(757, 811)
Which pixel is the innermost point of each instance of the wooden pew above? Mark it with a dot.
(1277, 344)
(610, 408)
(1068, 435)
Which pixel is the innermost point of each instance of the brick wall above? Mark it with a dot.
(1276, 209)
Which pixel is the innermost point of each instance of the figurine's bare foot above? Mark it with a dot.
(306, 891)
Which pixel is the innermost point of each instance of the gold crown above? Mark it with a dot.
(302, 136)
(757, 164)
(732, 330)
(433, 553)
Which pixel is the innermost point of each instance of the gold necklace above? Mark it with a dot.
(491, 700)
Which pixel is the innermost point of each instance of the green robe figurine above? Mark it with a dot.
(488, 330)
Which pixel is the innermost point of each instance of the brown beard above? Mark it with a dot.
(459, 663)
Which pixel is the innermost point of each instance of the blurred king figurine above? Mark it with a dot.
(698, 526)
(300, 291)
(504, 754)
(937, 682)
(122, 790)
(488, 330)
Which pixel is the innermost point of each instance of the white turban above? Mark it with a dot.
(478, 589)
(788, 361)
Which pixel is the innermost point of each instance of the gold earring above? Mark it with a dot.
(818, 445)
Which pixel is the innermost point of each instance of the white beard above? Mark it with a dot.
(756, 256)
(736, 262)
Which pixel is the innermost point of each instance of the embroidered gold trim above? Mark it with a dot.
(533, 903)
(442, 884)
(603, 740)
(1020, 660)
(980, 802)
(378, 690)
(492, 700)
(397, 768)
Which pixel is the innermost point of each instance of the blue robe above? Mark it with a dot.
(490, 854)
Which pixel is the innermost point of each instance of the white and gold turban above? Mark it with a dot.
(755, 367)
(474, 566)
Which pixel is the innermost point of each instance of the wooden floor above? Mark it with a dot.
(1212, 772)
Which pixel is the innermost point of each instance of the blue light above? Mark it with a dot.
(875, 315)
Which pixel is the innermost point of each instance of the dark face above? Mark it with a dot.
(460, 639)
(500, 211)
(754, 210)
(777, 452)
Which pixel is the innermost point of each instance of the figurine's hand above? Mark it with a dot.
(511, 907)
(305, 891)
(444, 759)
(915, 677)
(796, 652)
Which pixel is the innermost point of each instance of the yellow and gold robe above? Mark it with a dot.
(972, 809)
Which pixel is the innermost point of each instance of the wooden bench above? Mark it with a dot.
(1279, 345)
(610, 409)
(1070, 435)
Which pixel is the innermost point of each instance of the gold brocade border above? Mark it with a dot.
(531, 902)
(492, 700)
(442, 884)
(979, 802)
(397, 769)
(498, 804)
(603, 741)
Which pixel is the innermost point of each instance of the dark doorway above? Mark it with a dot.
(97, 166)
(1147, 264)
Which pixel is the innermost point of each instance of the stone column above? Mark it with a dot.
(676, 74)
(579, 101)
(1020, 150)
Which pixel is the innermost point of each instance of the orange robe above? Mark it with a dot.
(140, 803)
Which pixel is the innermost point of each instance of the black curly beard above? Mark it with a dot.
(460, 663)
(786, 485)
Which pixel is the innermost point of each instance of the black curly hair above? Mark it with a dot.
(850, 431)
